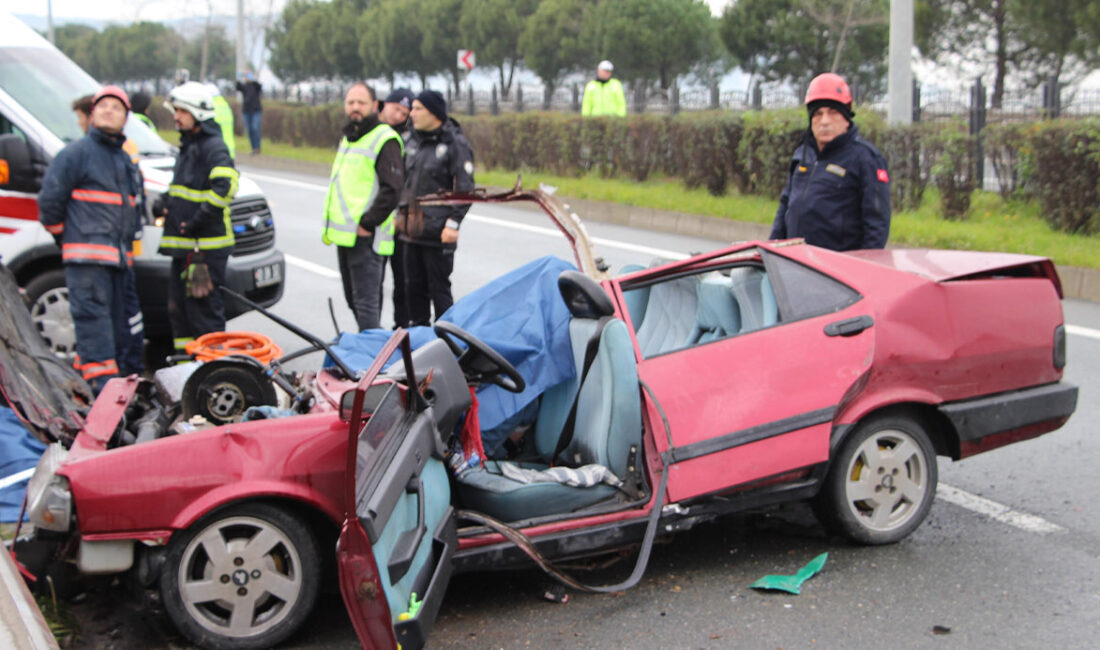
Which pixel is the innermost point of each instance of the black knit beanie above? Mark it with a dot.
(434, 102)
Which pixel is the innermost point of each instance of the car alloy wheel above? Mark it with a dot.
(245, 577)
(881, 483)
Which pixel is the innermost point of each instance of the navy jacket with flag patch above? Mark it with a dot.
(838, 198)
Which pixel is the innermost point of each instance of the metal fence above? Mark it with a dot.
(928, 104)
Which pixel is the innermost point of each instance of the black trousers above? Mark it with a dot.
(428, 281)
(192, 317)
(397, 263)
(361, 271)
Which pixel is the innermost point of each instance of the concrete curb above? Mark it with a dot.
(1077, 282)
(22, 626)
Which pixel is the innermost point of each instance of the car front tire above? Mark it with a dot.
(881, 483)
(243, 577)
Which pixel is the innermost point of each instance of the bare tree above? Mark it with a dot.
(839, 16)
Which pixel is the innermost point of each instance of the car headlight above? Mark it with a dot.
(49, 500)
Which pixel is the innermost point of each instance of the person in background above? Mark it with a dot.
(437, 157)
(251, 107)
(395, 112)
(223, 115)
(838, 189)
(367, 177)
(604, 95)
(139, 103)
(130, 335)
(92, 200)
(198, 234)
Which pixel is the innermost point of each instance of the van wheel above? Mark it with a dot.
(49, 306)
(881, 483)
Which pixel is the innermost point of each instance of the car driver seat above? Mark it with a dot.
(607, 427)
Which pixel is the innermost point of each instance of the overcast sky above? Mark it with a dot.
(132, 10)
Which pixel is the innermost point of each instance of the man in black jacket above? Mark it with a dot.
(198, 233)
(437, 157)
(838, 192)
(91, 202)
(395, 112)
(251, 107)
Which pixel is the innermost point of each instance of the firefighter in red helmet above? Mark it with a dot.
(838, 189)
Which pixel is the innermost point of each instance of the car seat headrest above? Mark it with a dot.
(583, 296)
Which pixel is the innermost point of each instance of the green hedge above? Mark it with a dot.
(1056, 163)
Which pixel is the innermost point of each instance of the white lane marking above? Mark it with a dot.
(1077, 330)
(286, 181)
(994, 510)
(16, 478)
(310, 266)
(552, 232)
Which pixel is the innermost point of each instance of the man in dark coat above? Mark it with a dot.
(437, 157)
(838, 192)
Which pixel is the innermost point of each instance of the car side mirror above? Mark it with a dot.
(16, 171)
(371, 400)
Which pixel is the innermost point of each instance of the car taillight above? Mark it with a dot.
(1060, 347)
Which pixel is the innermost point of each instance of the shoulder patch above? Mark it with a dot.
(834, 168)
(468, 167)
(882, 176)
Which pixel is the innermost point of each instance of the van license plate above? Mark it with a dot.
(265, 276)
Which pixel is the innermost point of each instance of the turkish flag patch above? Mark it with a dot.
(883, 176)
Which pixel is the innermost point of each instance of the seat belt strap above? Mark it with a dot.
(566, 435)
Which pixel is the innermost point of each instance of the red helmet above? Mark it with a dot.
(829, 86)
(112, 91)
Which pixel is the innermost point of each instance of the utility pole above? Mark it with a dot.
(49, 21)
(900, 78)
(241, 65)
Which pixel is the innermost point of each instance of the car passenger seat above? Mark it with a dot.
(607, 426)
(668, 323)
(718, 314)
(753, 292)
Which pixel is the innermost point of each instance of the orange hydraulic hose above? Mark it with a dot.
(216, 345)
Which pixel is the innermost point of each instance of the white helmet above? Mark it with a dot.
(194, 98)
(213, 88)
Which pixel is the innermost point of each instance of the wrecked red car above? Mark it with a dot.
(760, 373)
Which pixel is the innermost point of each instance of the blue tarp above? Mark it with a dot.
(19, 451)
(521, 315)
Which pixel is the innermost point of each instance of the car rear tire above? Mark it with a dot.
(49, 306)
(243, 577)
(881, 483)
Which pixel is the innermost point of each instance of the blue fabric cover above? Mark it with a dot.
(19, 451)
(521, 315)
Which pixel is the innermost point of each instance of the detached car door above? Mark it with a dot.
(395, 548)
(749, 357)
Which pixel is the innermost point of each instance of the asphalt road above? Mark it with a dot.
(1008, 558)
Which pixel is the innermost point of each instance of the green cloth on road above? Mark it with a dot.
(791, 584)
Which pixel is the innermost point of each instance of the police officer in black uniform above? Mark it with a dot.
(838, 192)
(437, 157)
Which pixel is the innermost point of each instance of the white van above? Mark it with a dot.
(37, 87)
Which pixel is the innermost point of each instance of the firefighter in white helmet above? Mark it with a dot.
(198, 234)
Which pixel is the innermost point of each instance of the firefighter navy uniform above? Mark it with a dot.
(91, 201)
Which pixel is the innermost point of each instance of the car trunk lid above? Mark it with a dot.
(948, 265)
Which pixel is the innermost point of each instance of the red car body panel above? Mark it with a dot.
(167, 484)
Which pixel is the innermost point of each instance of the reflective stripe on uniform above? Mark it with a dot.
(100, 196)
(100, 369)
(202, 243)
(56, 229)
(182, 342)
(75, 252)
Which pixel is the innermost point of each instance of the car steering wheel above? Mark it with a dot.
(479, 362)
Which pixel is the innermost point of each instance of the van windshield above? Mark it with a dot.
(45, 82)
